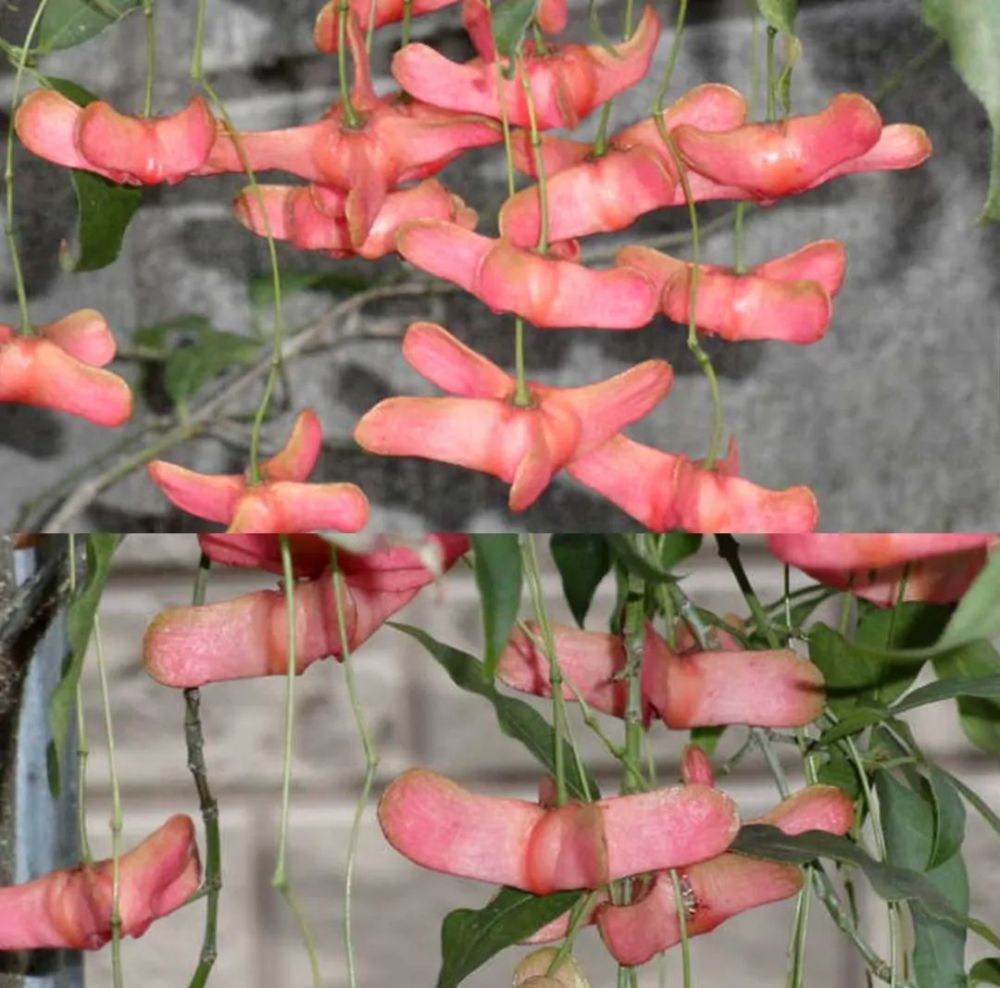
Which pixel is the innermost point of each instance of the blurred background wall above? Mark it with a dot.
(892, 418)
(418, 718)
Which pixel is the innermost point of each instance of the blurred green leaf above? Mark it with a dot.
(839, 771)
(345, 282)
(707, 738)
(470, 937)
(972, 30)
(189, 368)
(67, 23)
(583, 561)
(511, 20)
(779, 14)
(948, 689)
(516, 718)
(985, 972)
(949, 817)
(499, 579)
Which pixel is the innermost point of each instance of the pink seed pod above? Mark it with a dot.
(547, 292)
(696, 768)
(127, 149)
(248, 636)
(938, 568)
(775, 688)
(441, 826)
(72, 908)
(482, 429)
(786, 299)
(721, 888)
(567, 83)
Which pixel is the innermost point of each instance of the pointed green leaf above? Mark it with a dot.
(189, 368)
(948, 689)
(980, 717)
(67, 23)
(583, 561)
(779, 14)
(499, 579)
(511, 20)
(949, 817)
(977, 616)
(80, 621)
(972, 30)
(516, 718)
(707, 738)
(470, 937)
(985, 972)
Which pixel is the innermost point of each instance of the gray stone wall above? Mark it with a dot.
(892, 418)
(418, 718)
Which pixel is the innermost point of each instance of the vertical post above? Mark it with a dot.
(37, 832)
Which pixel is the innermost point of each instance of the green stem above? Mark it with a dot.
(280, 879)
(536, 150)
(370, 28)
(675, 47)
(580, 911)
(797, 947)
(350, 114)
(635, 633)
(8, 176)
(913, 64)
(742, 207)
(407, 20)
(601, 140)
(772, 78)
(116, 816)
(371, 758)
(681, 906)
(522, 396)
(729, 552)
(532, 576)
(147, 103)
(82, 748)
(207, 805)
(197, 76)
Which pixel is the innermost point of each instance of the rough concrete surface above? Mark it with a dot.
(892, 418)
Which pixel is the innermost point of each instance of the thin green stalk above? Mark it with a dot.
(536, 150)
(729, 552)
(635, 633)
(580, 911)
(207, 805)
(532, 577)
(601, 140)
(681, 907)
(147, 103)
(198, 77)
(370, 27)
(8, 176)
(913, 64)
(82, 748)
(280, 879)
(772, 77)
(742, 207)
(797, 947)
(845, 612)
(116, 816)
(522, 396)
(675, 47)
(350, 114)
(407, 20)
(371, 758)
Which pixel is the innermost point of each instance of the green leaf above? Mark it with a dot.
(511, 20)
(779, 14)
(583, 561)
(910, 835)
(947, 689)
(854, 674)
(890, 882)
(104, 208)
(67, 23)
(985, 972)
(189, 368)
(977, 616)
(707, 738)
(80, 621)
(499, 579)
(974, 800)
(980, 717)
(470, 937)
(636, 563)
(972, 30)
(516, 718)
(839, 771)
(949, 817)
(675, 547)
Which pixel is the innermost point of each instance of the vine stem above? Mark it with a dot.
(772, 82)
(635, 628)
(82, 748)
(147, 103)
(207, 805)
(198, 77)
(529, 557)
(743, 206)
(675, 47)
(536, 150)
(8, 175)
(116, 815)
(370, 752)
(350, 114)
(407, 20)
(280, 878)
(681, 906)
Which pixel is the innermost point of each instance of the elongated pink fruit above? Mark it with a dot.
(775, 301)
(775, 688)
(665, 491)
(937, 568)
(439, 825)
(548, 293)
(248, 636)
(72, 908)
(717, 890)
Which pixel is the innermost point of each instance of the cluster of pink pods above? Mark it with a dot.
(369, 164)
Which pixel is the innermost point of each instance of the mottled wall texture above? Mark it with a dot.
(892, 418)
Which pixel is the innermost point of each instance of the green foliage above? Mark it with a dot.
(341, 282)
(972, 30)
(985, 972)
(195, 353)
(516, 718)
(470, 937)
(67, 23)
(583, 561)
(977, 616)
(511, 20)
(499, 578)
(80, 622)
(980, 716)
(104, 208)
(779, 14)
